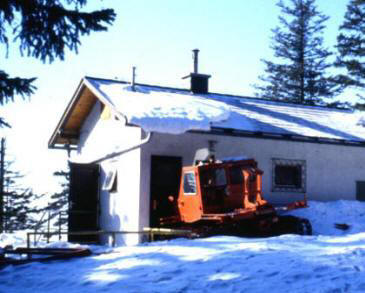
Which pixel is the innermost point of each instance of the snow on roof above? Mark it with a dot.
(168, 110)
(233, 159)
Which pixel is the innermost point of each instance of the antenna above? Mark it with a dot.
(133, 78)
(195, 56)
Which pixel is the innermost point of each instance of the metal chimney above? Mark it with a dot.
(198, 81)
(134, 78)
(195, 56)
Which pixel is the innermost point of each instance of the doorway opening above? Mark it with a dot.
(360, 190)
(165, 181)
(84, 202)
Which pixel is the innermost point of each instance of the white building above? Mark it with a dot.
(139, 136)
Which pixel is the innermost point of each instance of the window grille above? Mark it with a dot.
(288, 175)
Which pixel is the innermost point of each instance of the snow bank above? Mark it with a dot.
(16, 239)
(324, 216)
(62, 244)
(287, 263)
(360, 116)
(330, 262)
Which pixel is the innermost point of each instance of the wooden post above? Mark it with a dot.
(29, 256)
(49, 223)
(59, 226)
(2, 179)
(28, 240)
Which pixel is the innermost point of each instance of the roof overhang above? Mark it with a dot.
(276, 136)
(67, 132)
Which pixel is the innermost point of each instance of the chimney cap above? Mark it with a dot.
(192, 74)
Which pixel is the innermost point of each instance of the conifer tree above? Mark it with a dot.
(44, 29)
(351, 46)
(59, 200)
(18, 211)
(299, 71)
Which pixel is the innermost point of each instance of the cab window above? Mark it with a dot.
(189, 183)
(236, 175)
(213, 177)
(220, 176)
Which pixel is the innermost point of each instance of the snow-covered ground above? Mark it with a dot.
(332, 260)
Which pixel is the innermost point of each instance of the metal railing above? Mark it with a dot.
(42, 221)
(151, 232)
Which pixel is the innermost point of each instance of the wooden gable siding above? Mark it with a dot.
(80, 111)
(68, 130)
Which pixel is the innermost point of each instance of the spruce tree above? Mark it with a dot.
(351, 46)
(44, 29)
(299, 71)
(59, 200)
(19, 212)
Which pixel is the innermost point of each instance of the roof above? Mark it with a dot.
(164, 109)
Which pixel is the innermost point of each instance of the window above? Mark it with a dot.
(213, 177)
(236, 175)
(288, 175)
(189, 183)
(220, 176)
(110, 182)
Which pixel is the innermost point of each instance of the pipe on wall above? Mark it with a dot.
(119, 153)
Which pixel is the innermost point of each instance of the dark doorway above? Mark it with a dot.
(165, 181)
(84, 202)
(360, 190)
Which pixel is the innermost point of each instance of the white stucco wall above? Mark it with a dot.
(331, 170)
(118, 210)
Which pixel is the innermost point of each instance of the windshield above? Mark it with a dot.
(213, 177)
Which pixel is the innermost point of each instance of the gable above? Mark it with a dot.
(68, 129)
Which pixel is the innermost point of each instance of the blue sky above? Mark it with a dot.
(156, 36)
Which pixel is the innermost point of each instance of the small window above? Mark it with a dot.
(220, 176)
(289, 175)
(189, 183)
(110, 183)
(213, 177)
(236, 175)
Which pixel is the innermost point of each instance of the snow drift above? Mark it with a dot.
(330, 261)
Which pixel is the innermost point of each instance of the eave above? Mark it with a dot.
(283, 137)
(67, 132)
